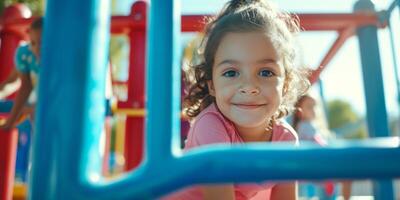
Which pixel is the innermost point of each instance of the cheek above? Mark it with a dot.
(273, 88)
(222, 87)
(224, 93)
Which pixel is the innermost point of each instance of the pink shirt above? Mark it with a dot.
(211, 127)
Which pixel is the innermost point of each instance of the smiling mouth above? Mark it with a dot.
(248, 106)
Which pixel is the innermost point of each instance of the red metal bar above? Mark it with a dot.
(10, 37)
(342, 38)
(309, 22)
(8, 154)
(119, 25)
(123, 24)
(19, 27)
(195, 23)
(9, 43)
(134, 133)
(337, 22)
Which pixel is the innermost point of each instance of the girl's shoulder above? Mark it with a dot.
(212, 115)
(23, 46)
(283, 131)
(23, 50)
(209, 127)
(24, 58)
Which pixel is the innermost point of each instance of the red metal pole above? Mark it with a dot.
(343, 36)
(10, 37)
(134, 132)
(8, 154)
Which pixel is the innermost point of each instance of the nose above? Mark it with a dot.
(249, 88)
(251, 91)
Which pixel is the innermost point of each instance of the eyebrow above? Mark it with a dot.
(267, 61)
(235, 62)
(228, 61)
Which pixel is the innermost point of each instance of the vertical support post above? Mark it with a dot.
(323, 98)
(9, 38)
(374, 90)
(70, 109)
(8, 154)
(398, 3)
(134, 129)
(163, 81)
(107, 146)
(395, 66)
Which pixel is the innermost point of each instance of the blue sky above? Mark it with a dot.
(343, 77)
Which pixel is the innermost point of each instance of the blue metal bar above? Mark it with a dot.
(258, 162)
(395, 64)
(383, 189)
(390, 9)
(374, 90)
(398, 3)
(163, 81)
(70, 111)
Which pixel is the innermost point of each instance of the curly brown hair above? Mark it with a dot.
(246, 16)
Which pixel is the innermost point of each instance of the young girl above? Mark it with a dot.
(244, 85)
(303, 123)
(27, 63)
(303, 120)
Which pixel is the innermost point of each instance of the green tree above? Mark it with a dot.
(36, 6)
(119, 47)
(341, 114)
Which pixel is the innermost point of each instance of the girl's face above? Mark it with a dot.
(36, 39)
(248, 79)
(308, 109)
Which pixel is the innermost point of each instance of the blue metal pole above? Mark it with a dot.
(323, 99)
(70, 112)
(163, 81)
(395, 65)
(398, 3)
(374, 90)
(390, 9)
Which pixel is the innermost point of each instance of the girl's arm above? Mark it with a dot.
(20, 100)
(10, 79)
(218, 192)
(284, 191)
